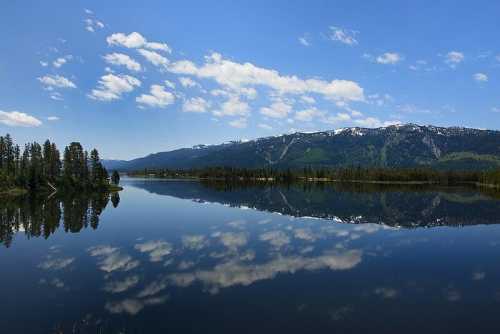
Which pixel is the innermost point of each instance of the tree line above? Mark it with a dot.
(348, 174)
(41, 167)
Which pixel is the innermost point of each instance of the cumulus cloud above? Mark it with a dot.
(196, 104)
(194, 242)
(188, 82)
(56, 81)
(154, 57)
(112, 87)
(111, 259)
(453, 58)
(235, 76)
(307, 99)
(121, 286)
(61, 61)
(92, 25)
(304, 41)
(56, 264)
(52, 118)
(277, 239)
(233, 107)
(16, 118)
(133, 306)
(157, 249)
(234, 273)
(307, 115)
(344, 36)
(158, 97)
(135, 40)
(389, 58)
(480, 77)
(278, 109)
(121, 59)
(233, 240)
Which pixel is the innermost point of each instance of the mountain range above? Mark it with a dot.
(402, 146)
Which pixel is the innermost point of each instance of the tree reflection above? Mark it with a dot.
(37, 216)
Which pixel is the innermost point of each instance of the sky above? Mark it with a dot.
(132, 78)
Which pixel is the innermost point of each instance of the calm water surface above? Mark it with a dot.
(176, 257)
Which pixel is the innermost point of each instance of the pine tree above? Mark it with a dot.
(115, 177)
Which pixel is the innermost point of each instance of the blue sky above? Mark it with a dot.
(131, 78)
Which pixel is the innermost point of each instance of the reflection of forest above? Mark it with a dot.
(394, 205)
(37, 216)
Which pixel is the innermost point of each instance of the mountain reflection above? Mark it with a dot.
(405, 206)
(36, 216)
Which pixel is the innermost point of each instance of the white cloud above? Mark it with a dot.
(88, 11)
(158, 97)
(390, 58)
(307, 115)
(196, 104)
(194, 242)
(56, 81)
(188, 82)
(344, 36)
(92, 25)
(233, 107)
(44, 63)
(480, 77)
(121, 286)
(239, 123)
(304, 41)
(61, 61)
(16, 118)
(236, 76)
(135, 40)
(56, 96)
(233, 240)
(234, 272)
(56, 264)
(52, 118)
(307, 99)
(453, 58)
(154, 57)
(111, 87)
(157, 249)
(121, 59)
(111, 259)
(278, 109)
(169, 84)
(133, 306)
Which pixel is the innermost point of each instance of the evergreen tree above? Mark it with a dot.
(115, 177)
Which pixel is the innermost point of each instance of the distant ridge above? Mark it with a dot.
(403, 146)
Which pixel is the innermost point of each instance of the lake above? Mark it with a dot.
(180, 256)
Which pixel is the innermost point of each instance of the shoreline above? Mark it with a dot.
(14, 192)
(272, 180)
